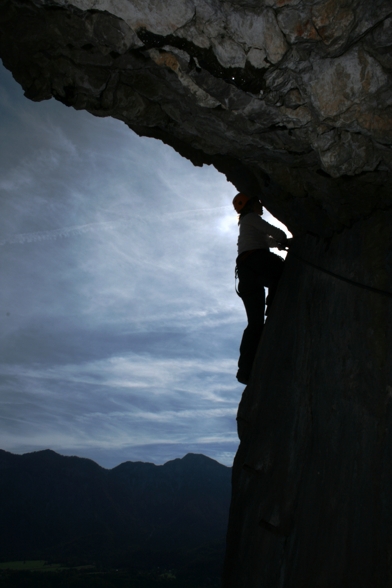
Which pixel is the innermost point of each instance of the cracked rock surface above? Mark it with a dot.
(292, 100)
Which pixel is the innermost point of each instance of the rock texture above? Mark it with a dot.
(312, 480)
(289, 95)
(291, 99)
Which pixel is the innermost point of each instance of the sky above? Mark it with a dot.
(119, 321)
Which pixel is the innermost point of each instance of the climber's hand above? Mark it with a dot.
(285, 245)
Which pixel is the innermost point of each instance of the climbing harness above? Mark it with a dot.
(241, 257)
(236, 280)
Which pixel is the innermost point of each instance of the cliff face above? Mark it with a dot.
(312, 479)
(291, 98)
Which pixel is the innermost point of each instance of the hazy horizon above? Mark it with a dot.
(59, 452)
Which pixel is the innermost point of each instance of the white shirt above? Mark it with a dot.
(256, 233)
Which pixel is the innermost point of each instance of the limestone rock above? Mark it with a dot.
(252, 71)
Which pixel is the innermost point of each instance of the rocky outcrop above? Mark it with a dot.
(291, 99)
(290, 96)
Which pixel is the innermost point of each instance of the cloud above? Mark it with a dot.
(119, 323)
(23, 238)
(119, 402)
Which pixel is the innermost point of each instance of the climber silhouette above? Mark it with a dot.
(256, 268)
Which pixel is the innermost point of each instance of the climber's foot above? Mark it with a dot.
(242, 377)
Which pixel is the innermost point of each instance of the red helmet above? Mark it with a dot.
(239, 201)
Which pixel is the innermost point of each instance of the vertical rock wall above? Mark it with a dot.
(312, 481)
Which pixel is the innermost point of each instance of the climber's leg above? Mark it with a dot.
(254, 306)
(269, 267)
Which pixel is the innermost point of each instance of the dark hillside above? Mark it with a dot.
(53, 506)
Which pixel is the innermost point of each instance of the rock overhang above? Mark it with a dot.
(288, 98)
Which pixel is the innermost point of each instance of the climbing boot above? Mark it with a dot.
(242, 377)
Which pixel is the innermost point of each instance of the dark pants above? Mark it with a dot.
(261, 269)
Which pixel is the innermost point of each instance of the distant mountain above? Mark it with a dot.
(52, 506)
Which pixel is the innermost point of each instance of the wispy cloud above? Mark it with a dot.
(119, 323)
(54, 234)
(119, 402)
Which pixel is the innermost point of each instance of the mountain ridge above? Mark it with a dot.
(55, 507)
(48, 452)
